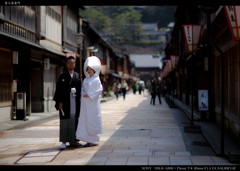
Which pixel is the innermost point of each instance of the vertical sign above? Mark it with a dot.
(14, 85)
(188, 36)
(202, 100)
(20, 100)
(173, 61)
(46, 63)
(196, 34)
(192, 35)
(232, 13)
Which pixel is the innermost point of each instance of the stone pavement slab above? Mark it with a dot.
(117, 161)
(202, 160)
(39, 156)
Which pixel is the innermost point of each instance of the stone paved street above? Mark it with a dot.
(135, 133)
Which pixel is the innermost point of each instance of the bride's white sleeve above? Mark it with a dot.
(95, 90)
(82, 89)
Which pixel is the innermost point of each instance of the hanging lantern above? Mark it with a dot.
(173, 61)
(233, 17)
(192, 34)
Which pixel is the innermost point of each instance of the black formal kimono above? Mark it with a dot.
(68, 124)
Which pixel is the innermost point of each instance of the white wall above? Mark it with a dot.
(52, 28)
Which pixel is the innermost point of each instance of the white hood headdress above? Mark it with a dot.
(94, 63)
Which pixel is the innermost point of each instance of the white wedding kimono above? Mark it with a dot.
(90, 119)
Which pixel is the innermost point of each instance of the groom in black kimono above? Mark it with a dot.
(68, 81)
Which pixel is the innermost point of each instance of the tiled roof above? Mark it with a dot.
(146, 60)
(149, 26)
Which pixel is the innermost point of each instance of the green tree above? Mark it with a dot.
(96, 18)
(122, 22)
(127, 26)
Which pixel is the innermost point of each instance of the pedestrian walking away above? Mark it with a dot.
(159, 90)
(124, 88)
(68, 81)
(116, 88)
(152, 91)
(135, 87)
(90, 120)
(141, 86)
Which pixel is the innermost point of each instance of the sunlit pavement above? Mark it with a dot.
(134, 133)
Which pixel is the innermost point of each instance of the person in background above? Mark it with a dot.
(152, 91)
(124, 88)
(116, 87)
(159, 90)
(140, 87)
(135, 87)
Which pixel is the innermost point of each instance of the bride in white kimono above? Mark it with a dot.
(90, 119)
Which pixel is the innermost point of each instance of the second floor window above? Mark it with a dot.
(53, 14)
(72, 21)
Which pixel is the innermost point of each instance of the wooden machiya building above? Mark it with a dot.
(18, 34)
(33, 43)
(202, 70)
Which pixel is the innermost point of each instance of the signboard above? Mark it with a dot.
(14, 85)
(192, 35)
(174, 60)
(203, 100)
(21, 97)
(46, 63)
(188, 37)
(233, 13)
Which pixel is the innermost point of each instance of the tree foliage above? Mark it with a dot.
(96, 18)
(122, 23)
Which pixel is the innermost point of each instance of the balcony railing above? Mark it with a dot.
(17, 31)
